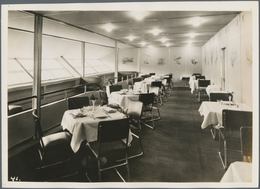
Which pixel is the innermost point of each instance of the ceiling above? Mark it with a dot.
(173, 26)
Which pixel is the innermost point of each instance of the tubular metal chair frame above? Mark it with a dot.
(246, 143)
(120, 130)
(201, 85)
(232, 121)
(42, 148)
(147, 99)
(214, 97)
(156, 92)
(134, 114)
(158, 84)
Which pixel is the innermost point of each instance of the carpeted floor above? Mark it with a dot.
(177, 150)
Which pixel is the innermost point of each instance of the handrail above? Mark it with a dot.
(110, 80)
(47, 93)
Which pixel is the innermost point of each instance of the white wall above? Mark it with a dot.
(236, 38)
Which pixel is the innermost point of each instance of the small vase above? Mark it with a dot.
(93, 102)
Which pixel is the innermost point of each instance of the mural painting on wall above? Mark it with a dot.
(160, 61)
(146, 58)
(233, 57)
(248, 50)
(128, 60)
(177, 60)
(194, 61)
(216, 55)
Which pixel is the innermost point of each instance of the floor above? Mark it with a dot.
(176, 151)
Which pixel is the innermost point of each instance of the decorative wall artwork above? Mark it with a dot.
(233, 57)
(177, 60)
(249, 54)
(160, 61)
(146, 58)
(194, 61)
(128, 60)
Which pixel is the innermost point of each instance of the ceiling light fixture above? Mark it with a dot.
(131, 38)
(163, 40)
(155, 31)
(139, 15)
(192, 35)
(196, 21)
(109, 27)
(143, 43)
(167, 44)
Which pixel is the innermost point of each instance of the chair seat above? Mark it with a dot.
(56, 139)
(108, 148)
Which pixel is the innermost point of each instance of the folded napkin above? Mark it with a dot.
(109, 110)
(79, 114)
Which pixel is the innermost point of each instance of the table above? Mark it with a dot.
(238, 172)
(212, 112)
(143, 86)
(86, 128)
(123, 99)
(213, 88)
(194, 85)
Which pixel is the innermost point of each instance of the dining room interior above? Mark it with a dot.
(163, 94)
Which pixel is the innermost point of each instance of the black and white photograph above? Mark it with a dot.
(130, 94)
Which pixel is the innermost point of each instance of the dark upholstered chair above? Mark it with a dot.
(134, 113)
(54, 148)
(202, 84)
(246, 143)
(229, 136)
(110, 143)
(78, 102)
(147, 99)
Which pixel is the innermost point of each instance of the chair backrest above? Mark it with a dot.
(200, 77)
(146, 98)
(154, 89)
(232, 120)
(246, 140)
(135, 109)
(78, 102)
(203, 83)
(196, 74)
(220, 96)
(145, 76)
(137, 79)
(156, 84)
(113, 130)
(151, 74)
(114, 88)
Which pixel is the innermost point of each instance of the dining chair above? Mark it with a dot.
(229, 136)
(158, 84)
(202, 84)
(156, 92)
(246, 143)
(114, 88)
(137, 79)
(134, 114)
(200, 77)
(77, 102)
(196, 74)
(147, 99)
(54, 149)
(214, 97)
(220, 96)
(151, 74)
(112, 141)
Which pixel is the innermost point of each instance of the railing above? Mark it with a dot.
(123, 78)
(48, 93)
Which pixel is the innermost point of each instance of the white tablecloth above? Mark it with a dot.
(194, 85)
(212, 112)
(238, 172)
(213, 88)
(85, 128)
(123, 99)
